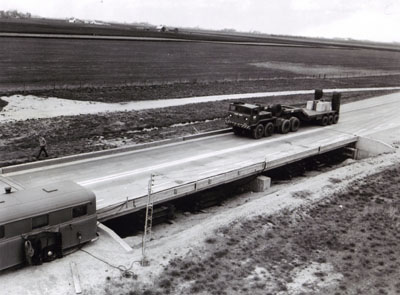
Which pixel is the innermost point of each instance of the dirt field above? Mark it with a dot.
(30, 63)
(67, 135)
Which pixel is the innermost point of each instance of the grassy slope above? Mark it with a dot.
(352, 237)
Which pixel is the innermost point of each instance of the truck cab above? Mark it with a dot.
(246, 116)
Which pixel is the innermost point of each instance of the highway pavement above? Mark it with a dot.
(117, 178)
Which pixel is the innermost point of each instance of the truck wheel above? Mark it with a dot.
(268, 129)
(294, 124)
(285, 127)
(335, 118)
(330, 120)
(258, 132)
(324, 121)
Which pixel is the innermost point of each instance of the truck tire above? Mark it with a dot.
(330, 120)
(324, 121)
(258, 132)
(335, 118)
(285, 127)
(268, 129)
(294, 124)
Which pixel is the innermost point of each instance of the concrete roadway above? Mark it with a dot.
(116, 178)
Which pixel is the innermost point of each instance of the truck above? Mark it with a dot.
(260, 121)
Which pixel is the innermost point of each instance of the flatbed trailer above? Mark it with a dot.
(262, 121)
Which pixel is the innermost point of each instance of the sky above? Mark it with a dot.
(375, 20)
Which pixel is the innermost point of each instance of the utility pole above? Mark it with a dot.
(148, 220)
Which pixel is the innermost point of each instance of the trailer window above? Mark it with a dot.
(79, 211)
(40, 221)
(1, 231)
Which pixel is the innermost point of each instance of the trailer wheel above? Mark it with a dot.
(335, 118)
(258, 132)
(330, 120)
(324, 121)
(268, 129)
(294, 124)
(285, 127)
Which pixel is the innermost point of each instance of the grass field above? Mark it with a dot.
(32, 63)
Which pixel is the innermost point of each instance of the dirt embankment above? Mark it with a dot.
(68, 135)
(345, 244)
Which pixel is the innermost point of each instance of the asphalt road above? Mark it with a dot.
(115, 178)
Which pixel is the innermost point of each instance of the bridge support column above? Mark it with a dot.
(260, 184)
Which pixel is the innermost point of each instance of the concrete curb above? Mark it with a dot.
(92, 155)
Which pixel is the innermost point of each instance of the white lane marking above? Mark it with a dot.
(189, 159)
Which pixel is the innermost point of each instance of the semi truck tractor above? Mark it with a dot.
(262, 121)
